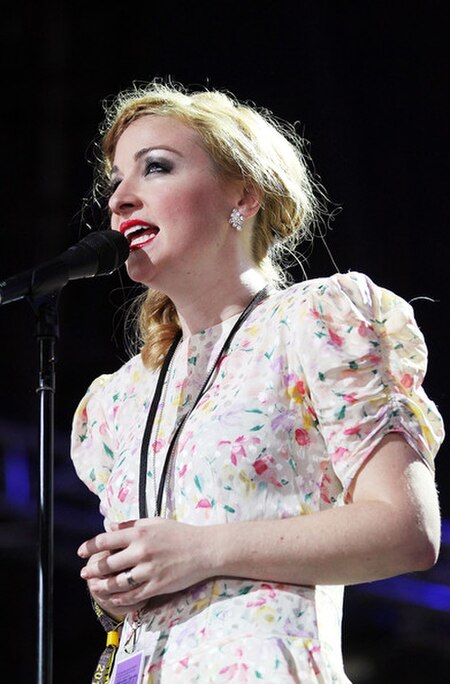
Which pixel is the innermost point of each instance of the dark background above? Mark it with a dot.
(368, 83)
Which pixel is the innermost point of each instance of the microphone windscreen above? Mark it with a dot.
(100, 252)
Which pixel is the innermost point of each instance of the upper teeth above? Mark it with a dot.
(135, 229)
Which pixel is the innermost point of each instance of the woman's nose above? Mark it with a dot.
(123, 199)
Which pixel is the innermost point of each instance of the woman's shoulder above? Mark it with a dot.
(110, 383)
(338, 287)
(351, 282)
(344, 300)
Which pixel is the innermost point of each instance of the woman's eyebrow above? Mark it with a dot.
(142, 152)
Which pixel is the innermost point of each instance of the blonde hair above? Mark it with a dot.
(245, 143)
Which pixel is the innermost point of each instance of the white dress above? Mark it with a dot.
(314, 379)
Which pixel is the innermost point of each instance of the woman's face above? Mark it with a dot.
(171, 204)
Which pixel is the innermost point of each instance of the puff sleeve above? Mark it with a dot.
(365, 362)
(92, 441)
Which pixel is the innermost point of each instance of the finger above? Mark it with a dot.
(101, 566)
(124, 583)
(106, 541)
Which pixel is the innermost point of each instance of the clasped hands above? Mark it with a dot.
(155, 555)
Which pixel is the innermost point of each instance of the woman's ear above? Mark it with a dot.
(250, 202)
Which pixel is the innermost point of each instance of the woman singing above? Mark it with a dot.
(271, 442)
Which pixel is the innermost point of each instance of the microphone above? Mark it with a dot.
(97, 254)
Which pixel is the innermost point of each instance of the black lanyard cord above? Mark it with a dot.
(149, 426)
(143, 513)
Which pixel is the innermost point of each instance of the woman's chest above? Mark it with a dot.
(250, 447)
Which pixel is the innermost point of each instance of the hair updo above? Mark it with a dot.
(245, 143)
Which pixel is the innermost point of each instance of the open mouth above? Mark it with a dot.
(139, 235)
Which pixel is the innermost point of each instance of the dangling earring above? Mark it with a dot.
(236, 219)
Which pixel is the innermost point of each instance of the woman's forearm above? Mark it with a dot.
(360, 542)
(391, 526)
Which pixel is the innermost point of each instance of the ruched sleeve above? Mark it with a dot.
(365, 359)
(92, 441)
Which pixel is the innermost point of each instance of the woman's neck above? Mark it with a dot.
(211, 305)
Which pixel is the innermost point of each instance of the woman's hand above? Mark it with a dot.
(102, 597)
(140, 559)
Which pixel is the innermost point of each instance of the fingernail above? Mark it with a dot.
(83, 573)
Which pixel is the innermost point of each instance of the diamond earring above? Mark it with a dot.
(236, 219)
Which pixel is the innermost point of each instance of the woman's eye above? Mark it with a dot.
(154, 166)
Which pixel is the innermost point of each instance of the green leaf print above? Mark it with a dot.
(245, 590)
(198, 480)
(108, 451)
(340, 415)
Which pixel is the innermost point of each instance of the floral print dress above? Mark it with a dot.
(313, 380)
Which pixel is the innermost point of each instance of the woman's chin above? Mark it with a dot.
(139, 267)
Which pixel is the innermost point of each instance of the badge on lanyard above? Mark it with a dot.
(130, 670)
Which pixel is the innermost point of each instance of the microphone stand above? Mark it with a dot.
(47, 332)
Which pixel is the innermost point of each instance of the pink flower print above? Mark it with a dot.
(373, 358)
(339, 452)
(301, 437)
(123, 492)
(335, 338)
(230, 670)
(325, 488)
(181, 384)
(270, 590)
(238, 447)
(264, 466)
(355, 430)
(312, 650)
(153, 668)
(183, 470)
(157, 445)
(350, 398)
(297, 391)
(238, 672)
(312, 412)
(300, 385)
(221, 360)
(185, 440)
(103, 428)
(319, 315)
(407, 381)
(364, 329)
(204, 503)
(260, 466)
(257, 603)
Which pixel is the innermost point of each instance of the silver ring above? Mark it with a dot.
(131, 581)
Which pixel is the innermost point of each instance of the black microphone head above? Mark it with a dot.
(99, 253)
